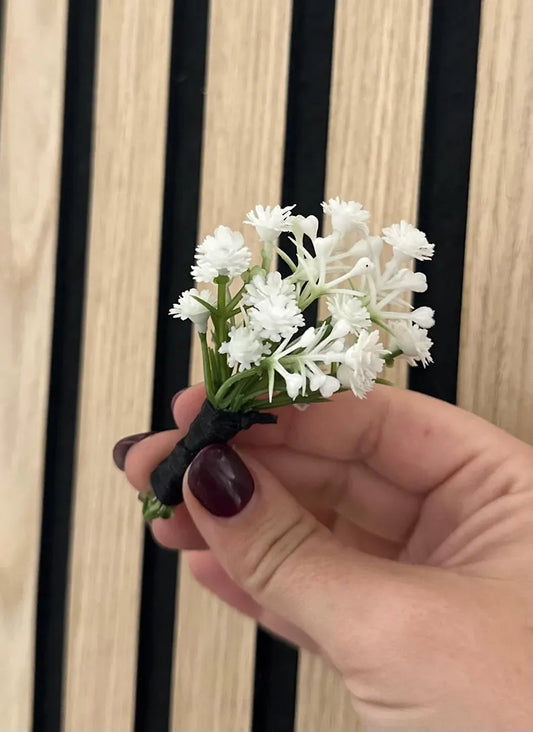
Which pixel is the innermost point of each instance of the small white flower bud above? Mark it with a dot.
(423, 317)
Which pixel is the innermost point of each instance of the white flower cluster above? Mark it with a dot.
(261, 328)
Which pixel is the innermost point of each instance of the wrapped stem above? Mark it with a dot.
(212, 425)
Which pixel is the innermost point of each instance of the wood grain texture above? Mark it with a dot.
(495, 356)
(242, 166)
(30, 152)
(374, 149)
(116, 386)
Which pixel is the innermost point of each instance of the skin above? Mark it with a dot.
(392, 536)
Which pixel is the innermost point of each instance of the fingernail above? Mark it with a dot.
(176, 395)
(121, 448)
(220, 480)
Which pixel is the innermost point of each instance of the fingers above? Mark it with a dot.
(412, 440)
(178, 532)
(355, 491)
(281, 556)
(351, 489)
(208, 572)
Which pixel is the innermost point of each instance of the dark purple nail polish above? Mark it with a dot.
(220, 480)
(121, 448)
(176, 395)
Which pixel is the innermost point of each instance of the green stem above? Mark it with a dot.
(209, 386)
(286, 259)
(266, 255)
(234, 300)
(228, 383)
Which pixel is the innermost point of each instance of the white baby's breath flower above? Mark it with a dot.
(413, 341)
(225, 253)
(363, 362)
(349, 309)
(408, 241)
(273, 311)
(188, 308)
(244, 347)
(347, 217)
(269, 221)
(276, 317)
(264, 286)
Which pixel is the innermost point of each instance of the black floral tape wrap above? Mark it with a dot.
(210, 426)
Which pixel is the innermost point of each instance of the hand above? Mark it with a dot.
(391, 535)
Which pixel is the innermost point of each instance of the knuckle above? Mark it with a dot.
(271, 553)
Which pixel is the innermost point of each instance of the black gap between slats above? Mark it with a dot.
(2, 43)
(179, 238)
(445, 174)
(304, 174)
(65, 364)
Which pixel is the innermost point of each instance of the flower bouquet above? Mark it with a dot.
(258, 353)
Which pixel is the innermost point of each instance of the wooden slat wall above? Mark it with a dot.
(30, 125)
(116, 386)
(495, 354)
(375, 132)
(375, 136)
(242, 165)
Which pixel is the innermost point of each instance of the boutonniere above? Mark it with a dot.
(258, 353)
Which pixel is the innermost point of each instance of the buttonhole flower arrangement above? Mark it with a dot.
(258, 353)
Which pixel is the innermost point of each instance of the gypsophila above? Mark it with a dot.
(413, 342)
(347, 216)
(225, 254)
(408, 241)
(273, 311)
(350, 310)
(257, 351)
(269, 222)
(244, 347)
(190, 308)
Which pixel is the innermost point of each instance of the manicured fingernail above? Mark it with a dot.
(176, 395)
(220, 480)
(121, 448)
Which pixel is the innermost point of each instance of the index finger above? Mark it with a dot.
(409, 438)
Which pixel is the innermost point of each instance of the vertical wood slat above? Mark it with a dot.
(30, 151)
(495, 355)
(242, 165)
(116, 386)
(375, 138)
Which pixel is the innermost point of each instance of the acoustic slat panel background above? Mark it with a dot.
(495, 354)
(375, 132)
(30, 127)
(116, 386)
(242, 165)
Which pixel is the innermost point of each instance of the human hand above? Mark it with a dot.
(390, 535)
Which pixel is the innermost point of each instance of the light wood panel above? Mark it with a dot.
(116, 386)
(242, 166)
(375, 137)
(30, 152)
(495, 357)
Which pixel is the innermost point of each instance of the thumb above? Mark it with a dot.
(283, 557)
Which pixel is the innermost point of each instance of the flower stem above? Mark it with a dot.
(220, 329)
(228, 383)
(209, 386)
(266, 255)
(234, 300)
(153, 508)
